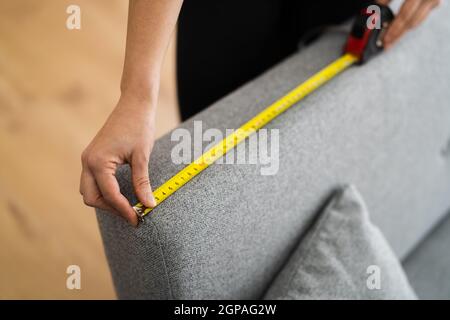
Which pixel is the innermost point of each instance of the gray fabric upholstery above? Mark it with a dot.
(342, 256)
(382, 126)
(428, 266)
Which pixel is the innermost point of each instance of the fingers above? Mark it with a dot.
(141, 181)
(109, 188)
(91, 194)
(411, 14)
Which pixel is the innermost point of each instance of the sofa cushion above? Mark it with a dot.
(342, 256)
(428, 266)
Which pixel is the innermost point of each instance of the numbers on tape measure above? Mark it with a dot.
(254, 124)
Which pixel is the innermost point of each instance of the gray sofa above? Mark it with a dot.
(383, 127)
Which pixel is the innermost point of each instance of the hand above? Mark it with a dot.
(411, 14)
(126, 137)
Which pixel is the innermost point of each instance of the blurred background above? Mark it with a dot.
(57, 86)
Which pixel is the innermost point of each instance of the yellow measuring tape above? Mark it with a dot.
(254, 124)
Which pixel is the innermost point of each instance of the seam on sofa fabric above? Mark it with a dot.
(160, 244)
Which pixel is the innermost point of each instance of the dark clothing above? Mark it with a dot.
(224, 43)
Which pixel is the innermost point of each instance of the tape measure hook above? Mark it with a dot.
(140, 213)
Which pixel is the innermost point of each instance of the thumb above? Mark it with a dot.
(141, 181)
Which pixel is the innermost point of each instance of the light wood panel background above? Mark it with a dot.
(57, 87)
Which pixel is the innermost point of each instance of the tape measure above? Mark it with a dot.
(355, 53)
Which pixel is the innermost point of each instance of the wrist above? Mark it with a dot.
(140, 89)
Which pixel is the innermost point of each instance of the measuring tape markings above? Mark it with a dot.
(260, 120)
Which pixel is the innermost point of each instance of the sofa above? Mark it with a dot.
(383, 127)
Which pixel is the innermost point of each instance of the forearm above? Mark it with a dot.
(150, 26)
